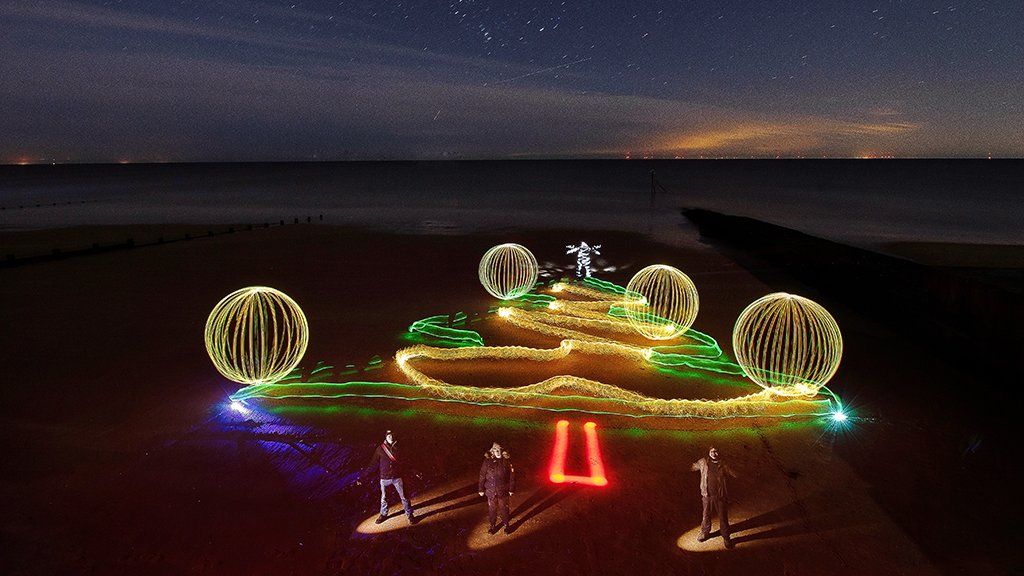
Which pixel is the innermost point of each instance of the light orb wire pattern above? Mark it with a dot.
(508, 271)
(661, 302)
(788, 344)
(256, 335)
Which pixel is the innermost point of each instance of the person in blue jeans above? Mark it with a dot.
(386, 460)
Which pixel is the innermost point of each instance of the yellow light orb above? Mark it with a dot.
(256, 335)
(508, 271)
(661, 302)
(788, 344)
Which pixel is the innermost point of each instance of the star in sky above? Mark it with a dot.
(270, 79)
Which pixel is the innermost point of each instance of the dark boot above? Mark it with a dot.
(380, 519)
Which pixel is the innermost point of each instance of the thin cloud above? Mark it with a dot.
(152, 102)
(67, 16)
(788, 137)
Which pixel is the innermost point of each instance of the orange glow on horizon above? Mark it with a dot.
(791, 139)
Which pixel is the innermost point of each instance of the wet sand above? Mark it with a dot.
(123, 458)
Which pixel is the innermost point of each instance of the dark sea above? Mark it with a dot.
(868, 203)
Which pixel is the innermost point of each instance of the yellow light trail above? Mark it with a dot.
(565, 318)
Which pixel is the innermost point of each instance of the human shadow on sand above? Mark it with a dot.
(792, 519)
(450, 495)
(457, 498)
(541, 499)
(454, 496)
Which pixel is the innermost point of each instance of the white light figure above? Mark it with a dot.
(583, 252)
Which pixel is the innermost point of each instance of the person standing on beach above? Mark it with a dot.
(386, 460)
(714, 494)
(498, 483)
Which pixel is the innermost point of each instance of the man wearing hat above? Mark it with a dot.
(385, 457)
(497, 482)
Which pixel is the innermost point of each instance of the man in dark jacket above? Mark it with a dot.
(497, 482)
(385, 458)
(714, 494)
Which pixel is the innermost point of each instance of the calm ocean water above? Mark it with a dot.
(863, 203)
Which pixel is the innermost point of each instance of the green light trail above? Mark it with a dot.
(701, 352)
(397, 391)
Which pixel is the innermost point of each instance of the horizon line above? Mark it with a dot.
(491, 159)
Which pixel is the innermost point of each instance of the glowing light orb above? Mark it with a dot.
(788, 344)
(661, 302)
(256, 335)
(508, 271)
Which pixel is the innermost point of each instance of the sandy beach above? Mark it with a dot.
(675, 266)
(125, 458)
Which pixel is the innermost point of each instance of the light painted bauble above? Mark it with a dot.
(787, 344)
(256, 335)
(661, 302)
(508, 271)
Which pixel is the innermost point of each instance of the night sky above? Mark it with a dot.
(166, 80)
